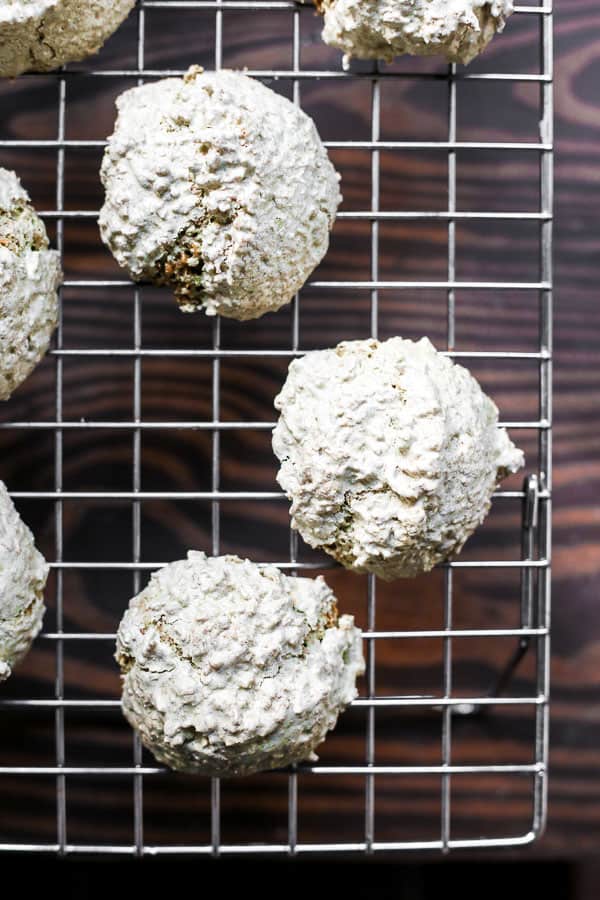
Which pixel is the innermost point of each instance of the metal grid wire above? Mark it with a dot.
(534, 565)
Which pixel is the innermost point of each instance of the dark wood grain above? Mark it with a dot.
(331, 808)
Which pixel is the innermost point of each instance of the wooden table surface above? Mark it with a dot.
(330, 808)
(574, 825)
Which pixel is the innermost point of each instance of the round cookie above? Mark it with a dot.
(220, 188)
(383, 29)
(29, 278)
(40, 35)
(23, 574)
(390, 454)
(231, 668)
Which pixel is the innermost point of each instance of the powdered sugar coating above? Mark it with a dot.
(40, 35)
(219, 187)
(23, 574)
(389, 453)
(29, 278)
(383, 29)
(230, 668)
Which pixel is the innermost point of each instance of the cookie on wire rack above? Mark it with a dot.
(231, 668)
(29, 278)
(390, 454)
(23, 574)
(219, 188)
(383, 29)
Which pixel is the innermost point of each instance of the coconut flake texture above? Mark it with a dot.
(230, 668)
(383, 29)
(23, 574)
(219, 187)
(39, 35)
(29, 278)
(389, 453)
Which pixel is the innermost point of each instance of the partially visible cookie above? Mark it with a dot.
(39, 35)
(29, 278)
(219, 188)
(383, 29)
(23, 574)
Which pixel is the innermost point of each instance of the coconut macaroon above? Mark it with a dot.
(219, 188)
(383, 29)
(23, 574)
(230, 668)
(29, 278)
(389, 453)
(40, 35)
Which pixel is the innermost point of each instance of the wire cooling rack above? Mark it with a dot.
(531, 636)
